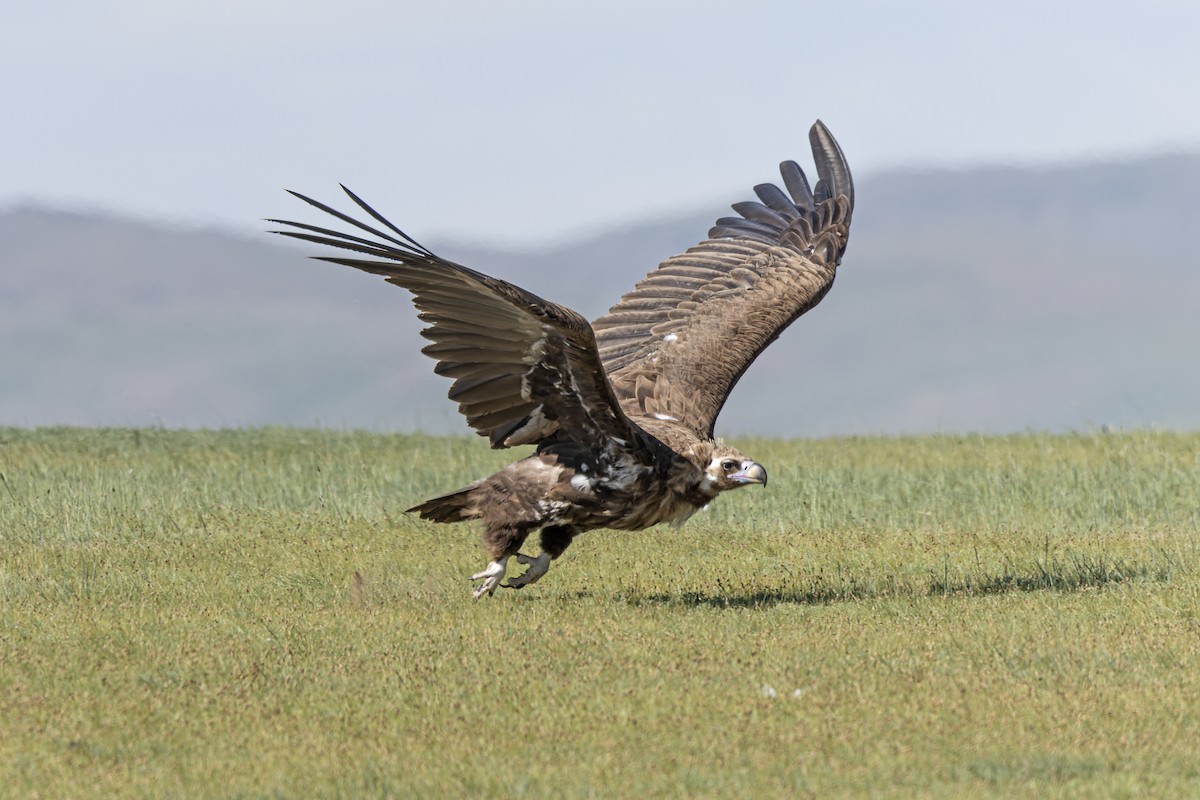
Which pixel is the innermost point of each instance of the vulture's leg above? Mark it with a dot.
(538, 567)
(555, 540)
(501, 541)
(491, 577)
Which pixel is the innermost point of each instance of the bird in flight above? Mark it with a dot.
(621, 412)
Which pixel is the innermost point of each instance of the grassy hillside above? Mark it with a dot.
(249, 613)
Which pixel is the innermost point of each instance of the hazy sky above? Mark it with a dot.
(524, 121)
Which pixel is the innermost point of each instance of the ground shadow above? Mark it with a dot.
(1079, 571)
(1059, 575)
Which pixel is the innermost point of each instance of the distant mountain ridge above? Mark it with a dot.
(992, 300)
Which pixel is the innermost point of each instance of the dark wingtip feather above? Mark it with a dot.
(797, 185)
(383, 221)
(760, 213)
(776, 200)
(406, 243)
(835, 178)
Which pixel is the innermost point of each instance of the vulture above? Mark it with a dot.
(621, 411)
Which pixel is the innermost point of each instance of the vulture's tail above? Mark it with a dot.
(456, 506)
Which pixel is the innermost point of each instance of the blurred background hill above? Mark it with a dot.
(986, 299)
(1023, 255)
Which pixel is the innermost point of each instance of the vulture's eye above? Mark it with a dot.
(729, 465)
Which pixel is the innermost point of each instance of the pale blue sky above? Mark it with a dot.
(526, 121)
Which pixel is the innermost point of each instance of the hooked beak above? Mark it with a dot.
(751, 472)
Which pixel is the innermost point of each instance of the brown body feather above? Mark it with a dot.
(621, 411)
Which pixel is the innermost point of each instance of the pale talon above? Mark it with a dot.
(491, 577)
(538, 566)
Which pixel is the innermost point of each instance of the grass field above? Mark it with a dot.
(928, 617)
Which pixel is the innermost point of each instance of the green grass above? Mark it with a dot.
(926, 617)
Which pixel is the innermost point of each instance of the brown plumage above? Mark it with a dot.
(621, 411)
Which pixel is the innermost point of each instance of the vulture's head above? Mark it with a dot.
(730, 469)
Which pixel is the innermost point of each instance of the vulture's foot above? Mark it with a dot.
(537, 568)
(491, 578)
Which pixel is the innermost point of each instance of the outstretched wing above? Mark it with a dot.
(523, 368)
(675, 346)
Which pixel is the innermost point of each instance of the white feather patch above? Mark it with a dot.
(671, 337)
(551, 508)
(537, 425)
(665, 417)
